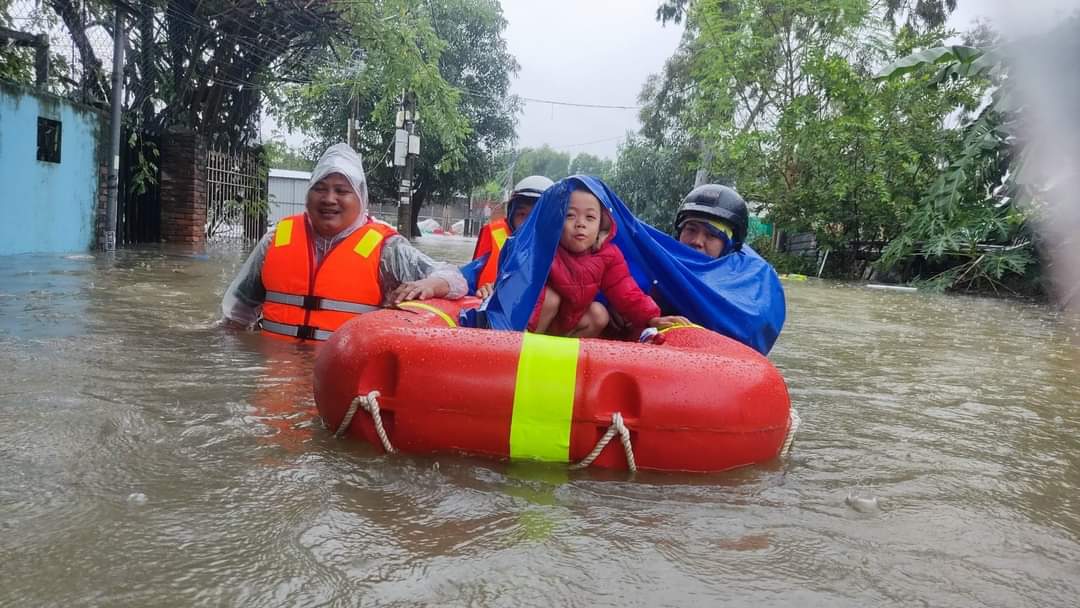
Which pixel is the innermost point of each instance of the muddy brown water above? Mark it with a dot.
(148, 458)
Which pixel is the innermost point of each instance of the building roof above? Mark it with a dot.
(290, 174)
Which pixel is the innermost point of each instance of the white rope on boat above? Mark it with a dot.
(794, 426)
(617, 426)
(370, 404)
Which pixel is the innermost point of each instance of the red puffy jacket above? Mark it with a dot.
(578, 278)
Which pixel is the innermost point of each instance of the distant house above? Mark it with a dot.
(52, 164)
(288, 193)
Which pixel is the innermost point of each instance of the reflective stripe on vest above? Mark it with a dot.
(544, 398)
(498, 236)
(303, 332)
(317, 303)
(346, 283)
(500, 231)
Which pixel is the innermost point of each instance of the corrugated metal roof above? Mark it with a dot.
(290, 174)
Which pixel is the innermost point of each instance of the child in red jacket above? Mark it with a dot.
(587, 263)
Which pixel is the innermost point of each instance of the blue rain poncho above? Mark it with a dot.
(737, 295)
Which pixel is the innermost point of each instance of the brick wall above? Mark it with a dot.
(183, 188)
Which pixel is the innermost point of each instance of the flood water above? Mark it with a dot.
(149, 458)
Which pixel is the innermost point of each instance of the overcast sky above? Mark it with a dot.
(601, 52)
(584, 51)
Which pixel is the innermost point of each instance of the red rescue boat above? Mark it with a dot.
(411, 380)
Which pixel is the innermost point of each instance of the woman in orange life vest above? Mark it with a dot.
(492, 236)
(320, 268)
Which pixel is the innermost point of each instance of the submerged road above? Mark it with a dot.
(149, 458)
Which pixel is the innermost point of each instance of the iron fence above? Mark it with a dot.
(236, 206)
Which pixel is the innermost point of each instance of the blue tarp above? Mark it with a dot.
(737, 295)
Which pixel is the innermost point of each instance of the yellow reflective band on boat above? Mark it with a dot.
(679, 326)
(368, 243)
(499, 235)
(283, 233)
(544, 398)
(428, 307)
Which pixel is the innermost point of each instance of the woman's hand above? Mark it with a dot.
(485, 290)
(662, 322)
(423, 289)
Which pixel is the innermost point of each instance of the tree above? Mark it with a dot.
(280, 155)
(466, 111)
(200, 66)
(780, 98)
(652, 180)
(207, 66)
(971, 229)
(544, 160)
(587, 164)
(915, 13)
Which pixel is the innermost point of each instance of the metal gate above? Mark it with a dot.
(138, 208)
(235, 196)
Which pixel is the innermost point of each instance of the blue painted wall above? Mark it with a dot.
(47, 207)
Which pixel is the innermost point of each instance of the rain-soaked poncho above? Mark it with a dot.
(737, 295)
(399, 263)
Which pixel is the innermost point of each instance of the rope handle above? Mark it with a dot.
(370, 404)
(617, 426)
(794, 422)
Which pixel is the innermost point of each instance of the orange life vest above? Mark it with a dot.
(309, 302)
(498, 232)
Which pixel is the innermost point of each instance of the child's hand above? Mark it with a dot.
(663, 322)
(418, 290)
(485, 290)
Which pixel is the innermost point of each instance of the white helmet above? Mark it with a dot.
(531, 187)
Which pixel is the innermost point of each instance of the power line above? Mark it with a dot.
(586, 143)
(579, 105)
(553, 102)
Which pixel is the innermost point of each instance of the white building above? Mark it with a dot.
(288, 190)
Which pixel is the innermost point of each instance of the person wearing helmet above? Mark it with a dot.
(493, 235)
(713, 220)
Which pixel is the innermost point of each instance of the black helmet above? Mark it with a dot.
(713, 201)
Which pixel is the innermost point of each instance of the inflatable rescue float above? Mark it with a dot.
(410, 380)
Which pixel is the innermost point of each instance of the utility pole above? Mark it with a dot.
(353, 120)
(108, 242)
(406, 149)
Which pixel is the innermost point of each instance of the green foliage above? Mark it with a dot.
(784, 263)
(781, 98)
(970, 229)
(199, 66)
(916, 13)
(451, 55)
(279, 155)
(544, 160)
(490, 190)
(144, 174)
(587, 164)
(652, 180)
(16, 63)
